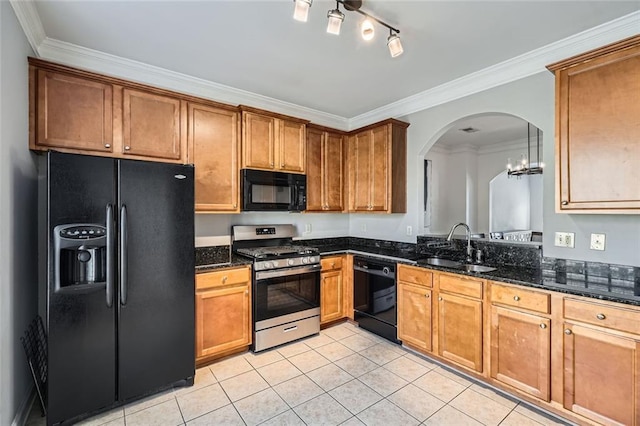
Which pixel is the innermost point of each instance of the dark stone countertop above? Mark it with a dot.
(235, 261)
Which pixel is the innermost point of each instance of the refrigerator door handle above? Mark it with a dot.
(123, 255)
(110, 252)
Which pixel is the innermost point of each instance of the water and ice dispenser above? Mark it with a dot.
(80, 256)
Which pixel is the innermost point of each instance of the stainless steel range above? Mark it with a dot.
(286, 283)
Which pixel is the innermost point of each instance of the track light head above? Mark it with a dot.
(335, 21)
(394, 45)
(301, 11)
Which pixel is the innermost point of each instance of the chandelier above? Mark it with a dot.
(524, 165)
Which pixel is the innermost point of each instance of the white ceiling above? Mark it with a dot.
(492, 129)
(257, 47)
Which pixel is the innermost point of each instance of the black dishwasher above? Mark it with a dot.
(374, 296)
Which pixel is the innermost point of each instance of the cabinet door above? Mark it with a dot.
(73, 113)
(333, 170)
(598, 117)
(291, 146)
(213, 143)
(360, 156)
(223, 320)
(516, 336)
(379, 169)
(258, 141)
(414, 315)
(152, 125)
(601, 375)
(330, 296)
(315, 179)
(460, 330)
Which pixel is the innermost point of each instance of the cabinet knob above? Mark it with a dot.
(127, 148)
(516, 298)
(601, 316)
(282, 165)
(235, 206)
(543, 326)
(426, 295)
(440, 298)
(271, 164)
(567, 331)
(564, 203)
(107, 145)
(246, 292)
(333, 264)
(224, 279)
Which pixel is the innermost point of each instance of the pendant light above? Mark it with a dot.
(301, 11)
(523, 166)
(335, 20)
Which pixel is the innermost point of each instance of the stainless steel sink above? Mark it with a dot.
(477, 268)
(436, 261)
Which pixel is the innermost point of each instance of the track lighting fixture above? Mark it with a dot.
(336, 17)
(301, 11)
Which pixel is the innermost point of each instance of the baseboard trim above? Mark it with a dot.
(25, 408)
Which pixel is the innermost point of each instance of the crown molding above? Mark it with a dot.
(30, 22)
(516, 68)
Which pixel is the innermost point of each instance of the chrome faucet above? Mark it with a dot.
(466, 227)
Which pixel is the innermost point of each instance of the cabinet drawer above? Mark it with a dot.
(415, 275)
(461, 285)
(329, 263)
(613, 317)
(520, 298)
(222, 278)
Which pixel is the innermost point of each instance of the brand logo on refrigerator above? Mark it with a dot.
(179, 176)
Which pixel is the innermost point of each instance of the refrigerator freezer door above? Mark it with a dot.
(81, 327)
(156, 318)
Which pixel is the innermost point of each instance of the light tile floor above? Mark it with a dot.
(344, 376)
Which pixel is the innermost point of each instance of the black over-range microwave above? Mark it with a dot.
(273, 191)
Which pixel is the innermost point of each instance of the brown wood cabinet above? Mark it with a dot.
(331, 289)
(69, 112)
(223, 312)
(519, 332)
(601, 363)
(460, 320)
(272, 142)
(377, 168)
(598, 130)
(77, 111)
(325, 170)
(214, 147)
(414, 307)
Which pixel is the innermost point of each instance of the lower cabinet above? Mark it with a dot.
(223, 312)
(602, 362)
(460, 323)
(414, 307)
(331, 289)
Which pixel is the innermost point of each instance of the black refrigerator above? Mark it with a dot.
(117, 280)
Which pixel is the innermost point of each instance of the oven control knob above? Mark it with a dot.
(290, 262)
(267, 265)
(305, 260)
(275, 263)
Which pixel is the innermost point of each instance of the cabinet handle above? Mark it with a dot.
(601, 316)
(107, 145)
(224, 279)
(567, 331)
(564, 203)
(516, 298)
(127, 148)
(543, 326)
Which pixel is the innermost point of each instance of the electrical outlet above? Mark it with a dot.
(307, 228)
(597, 241)
(409, 230)
(565, 239)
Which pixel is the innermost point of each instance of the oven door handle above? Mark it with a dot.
(263, 275)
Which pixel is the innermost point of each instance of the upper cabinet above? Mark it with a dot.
(598, 130)
(325, 170)
(377, 158)
(272, 141)
(213, 139)
(78, 111)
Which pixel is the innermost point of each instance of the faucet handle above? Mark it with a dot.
(479, 255)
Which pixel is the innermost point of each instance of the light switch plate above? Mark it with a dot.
(597, 241)
(564, 239)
